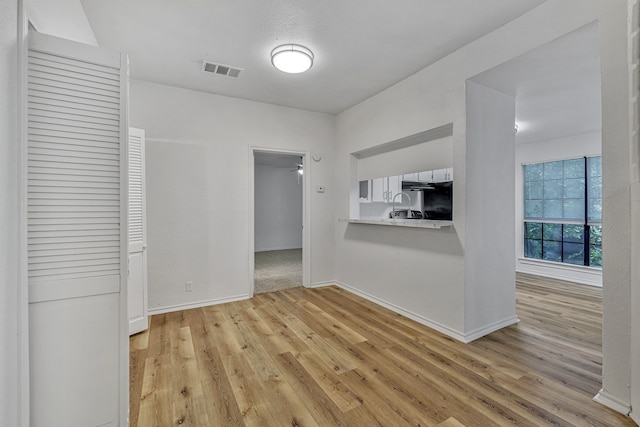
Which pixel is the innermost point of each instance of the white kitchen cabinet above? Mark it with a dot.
(410, 176)
(443, 175)
(383, 189)
(364, 190)
(394, 187)
(379, 189)
(439, 175)
(426, 176)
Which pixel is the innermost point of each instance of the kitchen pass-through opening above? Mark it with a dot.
(278, 182)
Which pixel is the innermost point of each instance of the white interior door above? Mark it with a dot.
(76, 231)
(137, 278)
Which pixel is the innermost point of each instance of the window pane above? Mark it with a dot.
(533, 248)
(574, 188)
(595, 235)
(559, 192)
(574, 168)
(574, 209)
(553, 209)
(595, 210)
(533, 190)
(553, 170)
(595, 256)
(573, 233)
(552, 251)
(595, 187)
(533, 172)
(533, 230)
(595, 246)
(533, 209)
(552, 232)
(594, 164)
(573, 253)
(553, 189)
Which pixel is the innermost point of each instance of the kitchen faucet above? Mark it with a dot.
(393, 203)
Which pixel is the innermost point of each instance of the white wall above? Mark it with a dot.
(422, 272)
(490, 295)
(278, 209)
(9, 390)
(198, 160)
(61, 18)
(543, 151)
(429, 155)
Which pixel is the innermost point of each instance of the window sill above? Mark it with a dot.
(561, 265)
(591, 276)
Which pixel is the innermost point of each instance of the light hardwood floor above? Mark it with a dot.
(325, 357)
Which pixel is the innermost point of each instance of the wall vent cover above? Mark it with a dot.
(221, 69)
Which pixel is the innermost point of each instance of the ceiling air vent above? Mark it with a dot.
(220, 69)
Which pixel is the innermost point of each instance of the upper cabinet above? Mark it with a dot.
(364, 191)
(384, 189)
(379, 189)
(442, 175)
(426, 176)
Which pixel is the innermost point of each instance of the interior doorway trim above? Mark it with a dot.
(306, 212)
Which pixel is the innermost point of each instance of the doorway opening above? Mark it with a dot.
(278, 217)
(556, 90)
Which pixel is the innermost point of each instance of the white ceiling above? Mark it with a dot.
(557, 87)
(361, 46)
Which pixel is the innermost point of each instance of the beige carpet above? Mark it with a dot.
(275, 270)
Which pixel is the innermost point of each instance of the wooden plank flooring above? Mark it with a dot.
(325, 357)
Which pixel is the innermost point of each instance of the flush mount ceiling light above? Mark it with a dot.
(292, 58)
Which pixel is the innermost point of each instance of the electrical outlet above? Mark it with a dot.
(188, 286)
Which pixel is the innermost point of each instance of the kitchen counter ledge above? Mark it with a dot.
(415, 223)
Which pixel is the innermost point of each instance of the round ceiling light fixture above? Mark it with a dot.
(292, 58)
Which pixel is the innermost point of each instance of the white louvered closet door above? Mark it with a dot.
(137, 278)
(77, 127)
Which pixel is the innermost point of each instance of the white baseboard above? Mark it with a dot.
(492, 327)
(612, 402)
(277, 248)
(413, 316)
(197, 304)
(460, 336)
(322, 284)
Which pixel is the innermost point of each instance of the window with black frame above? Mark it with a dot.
(563, 211)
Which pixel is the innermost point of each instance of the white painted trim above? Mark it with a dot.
(612, 402)
(123, 66)
(23, 398)
(579, 274)
(492, 327)
(413, 316)
(198, 304)
(323, 284)
(465, 338)
(140, 324)
(306, 213)
(278, 248)
(634, 390)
